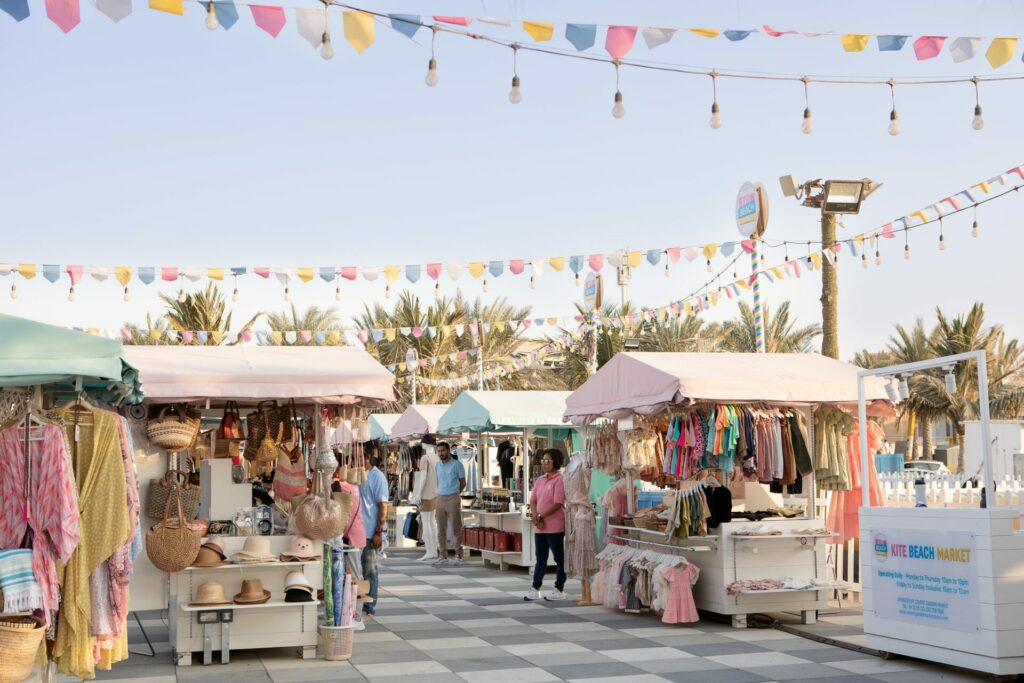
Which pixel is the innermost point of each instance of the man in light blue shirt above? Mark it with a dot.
(373, 497)
(451, 480)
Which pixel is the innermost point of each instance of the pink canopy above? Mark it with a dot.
(310, 374)
(417, 421)
(649, 383)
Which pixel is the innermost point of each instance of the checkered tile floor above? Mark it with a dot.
(470, 624)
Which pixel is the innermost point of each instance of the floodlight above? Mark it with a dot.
(842, 196)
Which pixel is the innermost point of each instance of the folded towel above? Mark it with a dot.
(18, 582)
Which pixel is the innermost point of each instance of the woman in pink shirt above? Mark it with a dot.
(547, 506)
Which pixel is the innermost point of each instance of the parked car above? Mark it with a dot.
(925, 467)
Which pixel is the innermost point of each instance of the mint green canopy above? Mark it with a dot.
(36, 353)
(503, 411)
(381, 424)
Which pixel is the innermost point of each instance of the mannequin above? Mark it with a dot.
(424, 496)
(580, 525)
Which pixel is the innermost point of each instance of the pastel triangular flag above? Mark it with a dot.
(891, 43)
(226, 13)
(360, 29)
(122, 273)
(633, 258)
(854, 42)
(539, 30)
(705, 32)
(1000, 51)
(270, 19)
(456, 21)
(454, 270)
(476, 268)
(391, 274)
(311, 24)
(657, 36)
(215, 273)
(169, 6)
(928, 47)
(116, 10)
(434, 270)
(18, 9)
(406, 24)
(619, 40)
(582, 36)
(596, 262)
(963, 49)
(736, 36)
(557, 263)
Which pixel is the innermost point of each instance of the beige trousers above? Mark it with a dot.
(449, 510)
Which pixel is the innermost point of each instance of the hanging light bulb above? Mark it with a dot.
(577, 279)
(287, 294)
(437, 290)
(716, 112)
(710, 269)
(618, 110)
(891, 391)
(14, 291)
(978, 122)
(667, 271)
(878, 257)
(514, 95)
(485, 285)
(211, 17)
(950, 379)
(432, 64)
(337, 293)
(387, 291)
(975, 228)
(127, 295)
(181, 296)
(864, 260)
(807, 127)
(327, 52)
(894, 117)
(906, 246)
(235, 295)
(533, 283)
(71, 294)
(942, 242)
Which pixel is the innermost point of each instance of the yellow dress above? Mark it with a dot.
(104, 523)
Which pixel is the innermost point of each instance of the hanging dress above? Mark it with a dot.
(580, 521)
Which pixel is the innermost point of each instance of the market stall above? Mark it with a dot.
(381, 425)
(502, 530)
(736, 434)
(316, 399)
(67, 499)
(945, 584)
(416, 422)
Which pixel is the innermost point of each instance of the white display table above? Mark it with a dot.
(275, 623)
(513, 522)
(945, 585)
(724, 558)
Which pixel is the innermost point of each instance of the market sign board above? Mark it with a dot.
(929, 578)
(751, 209)
(592, 293)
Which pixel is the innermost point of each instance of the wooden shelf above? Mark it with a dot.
(272, 604)
(254, 565)
(829, 587)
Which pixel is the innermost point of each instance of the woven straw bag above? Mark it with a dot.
(229, 435)
(172, 545)
(173, 432)
(320, 517)
(160, 493)
(19, 641)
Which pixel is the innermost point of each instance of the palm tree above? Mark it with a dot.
(609, 337)
(687, 334)
(910, 346)
(781, 334)
(153, 334)
(201, 311)
(313, 319)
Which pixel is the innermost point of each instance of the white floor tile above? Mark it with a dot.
(571, 627)
(431, 644)
(872, 667)
(402, 669)
(645, 678)
(529, 675)
(762, 659)
(398, 620)
(642, 654)
(749, 635)
(543, 648)
(472, 624)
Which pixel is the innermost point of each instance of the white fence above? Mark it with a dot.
(942, 490)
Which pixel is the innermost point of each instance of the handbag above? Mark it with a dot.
(290, 471)
(262, 428)
(172, 546)
(411, 529)
(229, 434)
(162, 490)
(173, 432)
(320, 517)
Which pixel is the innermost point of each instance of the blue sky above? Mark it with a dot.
(157, 142)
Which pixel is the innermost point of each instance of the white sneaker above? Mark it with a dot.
(360, 625)
(554, 594)
(427, 558)
(457, 562)
(441, 562)
(532, 594)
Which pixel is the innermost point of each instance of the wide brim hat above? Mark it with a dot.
(298, 595)
(210, 594)
(211, 554)
(301, 549)
(256, 549)
(252, 593)
(298, 581)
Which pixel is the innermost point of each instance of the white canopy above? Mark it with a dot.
(316, 374)
(649, 383)
(495, 411)
(381, 424)
(417, 421)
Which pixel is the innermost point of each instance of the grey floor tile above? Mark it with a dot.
(733, 648)
(302, 674)
(520, 639)
(573, 671)
(665, 666)
(448, 655)
(795, 672)
(372, 656)
(417, 678)
(620, 643)
(492, 662)
(685, 641)
(714, 676)
(827, 653)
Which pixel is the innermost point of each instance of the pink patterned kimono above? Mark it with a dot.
(52, 505)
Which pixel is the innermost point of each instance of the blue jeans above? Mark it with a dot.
(556, 544)
(369, 559)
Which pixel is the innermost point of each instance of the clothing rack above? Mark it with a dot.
(661, 545)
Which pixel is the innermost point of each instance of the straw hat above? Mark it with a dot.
(210, 594)
(252, 593)
(297, 588)
(211, 554)
(301, 549)
(256, 549)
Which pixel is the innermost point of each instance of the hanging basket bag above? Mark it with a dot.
(160, 491)
(173, 429)
(19, 642)
(229, 435)
(172, 545)
(320, 517)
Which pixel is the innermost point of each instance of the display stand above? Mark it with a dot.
(275, 623)
(945, 584)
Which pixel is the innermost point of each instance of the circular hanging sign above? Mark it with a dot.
(592, 292)
(751, 209)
